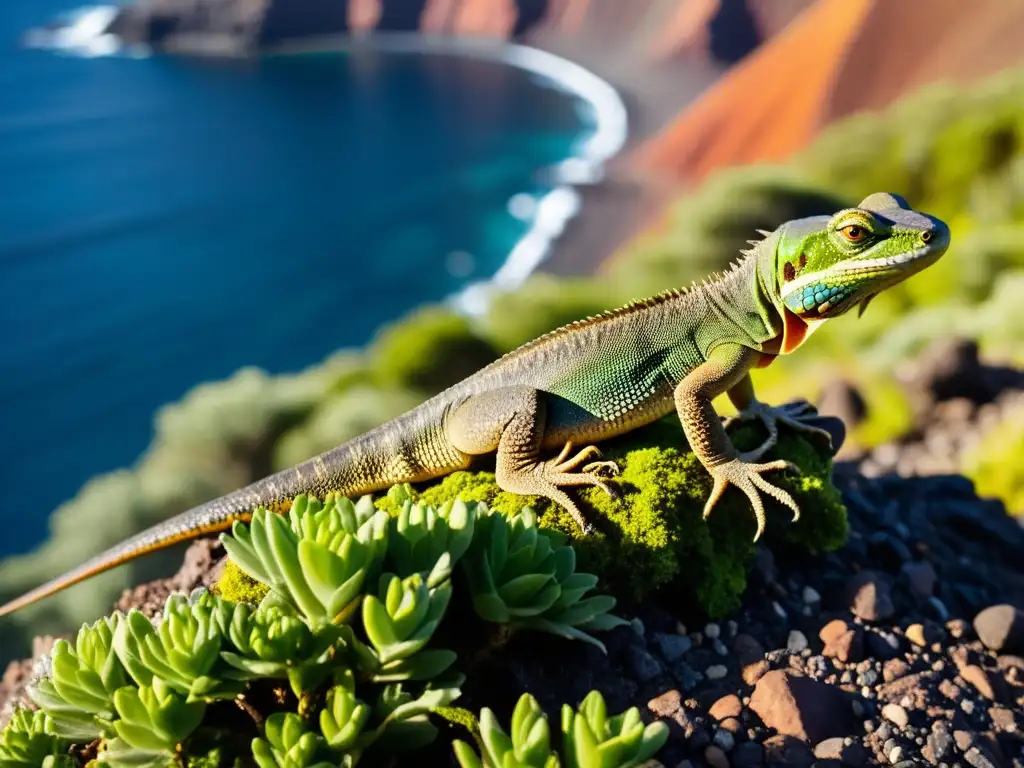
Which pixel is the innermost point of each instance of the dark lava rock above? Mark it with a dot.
(869, 596)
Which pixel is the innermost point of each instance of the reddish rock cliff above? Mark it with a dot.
(837, 58)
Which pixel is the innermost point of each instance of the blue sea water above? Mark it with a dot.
(164, 222)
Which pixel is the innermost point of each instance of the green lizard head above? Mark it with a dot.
(825, 266)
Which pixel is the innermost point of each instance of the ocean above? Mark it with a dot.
(164, 222)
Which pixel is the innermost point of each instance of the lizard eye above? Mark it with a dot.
(854, 233)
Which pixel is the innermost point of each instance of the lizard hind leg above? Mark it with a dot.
(510, 422)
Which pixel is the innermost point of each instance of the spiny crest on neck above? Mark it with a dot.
(737, 265)
(610, 314)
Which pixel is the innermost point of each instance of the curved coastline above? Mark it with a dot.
(86, 36)
(556, 208)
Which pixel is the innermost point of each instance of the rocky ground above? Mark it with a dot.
(905, 647)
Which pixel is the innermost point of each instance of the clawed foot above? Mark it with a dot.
(548, 478)
(746, 476)
(796, 415)
(595, 469)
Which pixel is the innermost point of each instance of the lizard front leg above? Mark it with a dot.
(510, 422)
(796, 415)
(726, 366)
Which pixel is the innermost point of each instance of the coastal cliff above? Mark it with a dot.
(839, 58)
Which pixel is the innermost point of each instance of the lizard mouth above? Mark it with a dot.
(921, 257)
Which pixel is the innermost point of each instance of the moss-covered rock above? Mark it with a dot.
(653, 536)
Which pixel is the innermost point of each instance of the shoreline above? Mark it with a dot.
(602, 137)
(595, 203)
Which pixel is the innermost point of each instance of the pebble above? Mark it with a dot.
(716, 672)
(672, 647)
(724, 740)
(779, 610)
(985, 683)
(869, 596)
(712, 631)
(915, 634)
(645, 666)
(830, 749)
(978, 759)
(939, 607)
(896, 715)
(867, 677)
(720, 647)
(801, 707)
(716, 757)
(941, 744)
(1001, 628)
(796, 642)
(727, 706)
(842, 641)
(810, 596)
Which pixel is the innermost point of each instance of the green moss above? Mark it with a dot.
(237, 586)
(652, 536)
(459, 717)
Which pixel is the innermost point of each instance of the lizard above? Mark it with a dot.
(606, 375)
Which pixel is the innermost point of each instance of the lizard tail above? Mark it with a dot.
(212, 517)
(353, 468)
(275, 493)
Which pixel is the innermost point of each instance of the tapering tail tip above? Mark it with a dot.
(184, 527)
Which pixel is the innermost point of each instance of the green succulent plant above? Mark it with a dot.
(182, 650)
(288, 744)
(526, 576)
(342, 718)
(399, 621)
(274, 644)
(355, 598)
(594, 740)
(30, 741)
(590, 739)
(317, 558)
(425, 535)
(78, 693)
(403, 720)
(154, 720)
(529, 746)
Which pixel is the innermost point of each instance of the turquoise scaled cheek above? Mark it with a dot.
(810, 295)
(795, 301)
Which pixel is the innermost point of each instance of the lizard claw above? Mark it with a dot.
(795, 415)
(746, 476)
(606, 468)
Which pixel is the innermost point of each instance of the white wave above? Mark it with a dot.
(610, 129)
(81, 33)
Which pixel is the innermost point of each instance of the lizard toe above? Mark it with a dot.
(606, 468)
